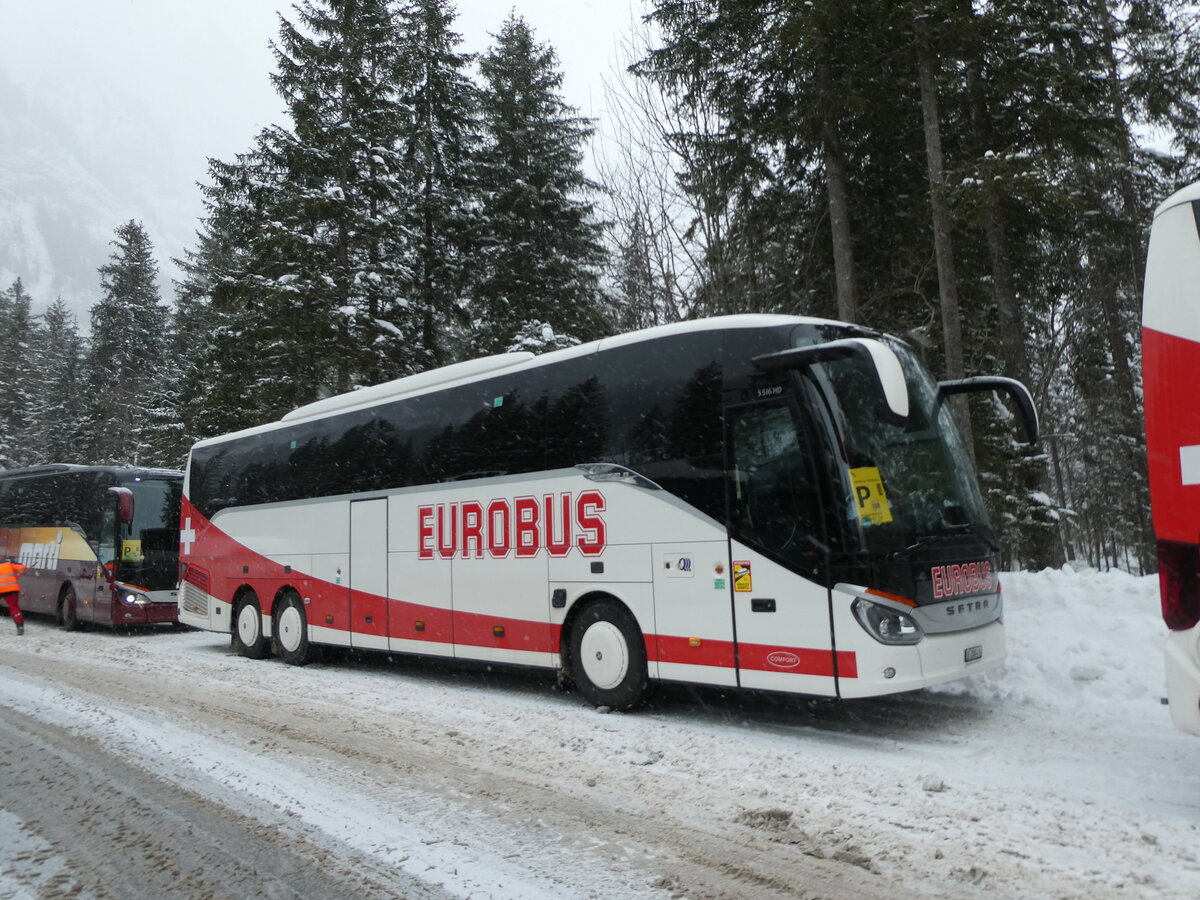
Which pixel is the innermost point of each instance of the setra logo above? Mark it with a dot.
(782, 659)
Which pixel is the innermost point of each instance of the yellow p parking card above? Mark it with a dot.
(869, 495)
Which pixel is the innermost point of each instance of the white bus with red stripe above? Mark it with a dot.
(763, 502)
(1170, 366)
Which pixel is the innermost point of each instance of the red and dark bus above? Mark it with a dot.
(100, 543)
(1170, 362)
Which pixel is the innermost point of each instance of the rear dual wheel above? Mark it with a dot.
(290, 632)
(248, 639)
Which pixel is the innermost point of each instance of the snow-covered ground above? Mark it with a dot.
(1062, 777)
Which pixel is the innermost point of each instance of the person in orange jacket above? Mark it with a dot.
(10, 590)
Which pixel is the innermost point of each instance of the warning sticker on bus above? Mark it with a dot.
(869, 495)
(741, 576)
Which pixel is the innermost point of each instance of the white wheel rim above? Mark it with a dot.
(248, 625)
(604, 655)
(291, 624)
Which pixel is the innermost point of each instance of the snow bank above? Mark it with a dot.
(1083, 642)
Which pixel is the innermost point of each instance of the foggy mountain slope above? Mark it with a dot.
(71, 171)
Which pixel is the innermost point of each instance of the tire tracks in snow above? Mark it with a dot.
(559, 813)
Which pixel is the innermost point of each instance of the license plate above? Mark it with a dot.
(973, 653)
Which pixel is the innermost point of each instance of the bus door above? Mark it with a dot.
(96, 605)
(369, 574)
(778, 553)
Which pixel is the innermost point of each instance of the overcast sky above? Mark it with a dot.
(116, 106)
(202, 66)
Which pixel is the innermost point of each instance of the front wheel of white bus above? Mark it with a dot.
(67, 617)
(608, 656)
(248, 638)
(291, 631)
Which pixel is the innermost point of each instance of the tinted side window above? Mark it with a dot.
(665, 399)
(497, 428)
(776, 502)
(653, 406)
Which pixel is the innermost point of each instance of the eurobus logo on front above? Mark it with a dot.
(523, 526)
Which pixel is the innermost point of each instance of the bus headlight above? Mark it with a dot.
(886, 625)
(134, 598)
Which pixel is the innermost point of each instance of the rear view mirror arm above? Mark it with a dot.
(1019, 393)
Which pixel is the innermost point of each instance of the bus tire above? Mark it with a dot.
(248, 638)
(290, 634)
(608, 656)
(68, 618)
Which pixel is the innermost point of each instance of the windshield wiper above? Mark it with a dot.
(972, 528)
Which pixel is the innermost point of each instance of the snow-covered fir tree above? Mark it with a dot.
(438, 143)
(125, 363)
(807, 156)
(540, 248)
(208, 364)
(17, 373)
(321, 293)
(57, 405)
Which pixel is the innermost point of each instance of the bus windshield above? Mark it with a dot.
(149, 545)
(911, 482)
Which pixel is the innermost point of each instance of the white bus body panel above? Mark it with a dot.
(703, 623)
(1173, 273)
(799, 619)
(368, 573)
(692, 614)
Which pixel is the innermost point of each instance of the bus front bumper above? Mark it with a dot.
(162, 608)
(1182, 654)
(936, 659)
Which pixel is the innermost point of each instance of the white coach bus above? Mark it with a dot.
(1170, 363)
(763, 502)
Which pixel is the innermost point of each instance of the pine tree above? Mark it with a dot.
(17, 373)
(224, 382)
(541, 248)
(813, 124)
(126, 359)
(201, 374)
(438, 143)
(57, 409)
(314, 296)
(638, 291)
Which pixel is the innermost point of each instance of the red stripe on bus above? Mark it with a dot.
(797, 660)
(478, 630)
(665, 648)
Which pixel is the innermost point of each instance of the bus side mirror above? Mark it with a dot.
(882, 363)
(124, 503)
(1014, 388)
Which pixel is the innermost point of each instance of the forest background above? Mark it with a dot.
(975, 177)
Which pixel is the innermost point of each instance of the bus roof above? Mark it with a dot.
(64, 468)
(1184, 195)
(476, 369)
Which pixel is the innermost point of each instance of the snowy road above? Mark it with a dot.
(141, 765)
